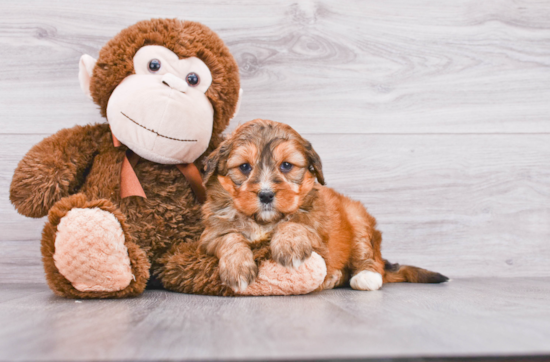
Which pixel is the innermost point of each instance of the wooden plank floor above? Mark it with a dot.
(487, 317)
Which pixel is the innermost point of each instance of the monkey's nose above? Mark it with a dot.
(266, 197)
(174, 82)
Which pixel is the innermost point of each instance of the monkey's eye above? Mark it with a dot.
(286, 167)
(245, 168)
(154, 65)
(193, 79)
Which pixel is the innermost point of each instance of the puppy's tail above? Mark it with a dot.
(395, 273)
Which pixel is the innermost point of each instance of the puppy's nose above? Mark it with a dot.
(174, 82)
(266, 197)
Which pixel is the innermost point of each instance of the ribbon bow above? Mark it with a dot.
(130, 185)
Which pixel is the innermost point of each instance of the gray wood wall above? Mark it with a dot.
(433, 113)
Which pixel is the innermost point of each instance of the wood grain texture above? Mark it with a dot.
(325, 67)
(497, 316)
(21, 262)
(435, 115)
(464, 205)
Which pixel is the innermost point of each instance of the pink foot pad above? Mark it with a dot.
(90, 251)
(275, 279)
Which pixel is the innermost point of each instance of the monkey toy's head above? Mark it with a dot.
(167, 87)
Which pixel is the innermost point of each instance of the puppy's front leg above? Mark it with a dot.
(292, 243)
(237, 266)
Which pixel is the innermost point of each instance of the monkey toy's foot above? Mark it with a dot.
(87, 254)
(90, 251)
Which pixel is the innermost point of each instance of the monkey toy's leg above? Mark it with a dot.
(88, 253)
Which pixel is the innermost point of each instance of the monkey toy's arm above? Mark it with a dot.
(55, 168)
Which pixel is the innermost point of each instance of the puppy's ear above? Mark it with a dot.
(216, 161)
(315, 165)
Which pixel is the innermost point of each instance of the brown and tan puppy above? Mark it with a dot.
(261, 185)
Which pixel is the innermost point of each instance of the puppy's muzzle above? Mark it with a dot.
(266, 196)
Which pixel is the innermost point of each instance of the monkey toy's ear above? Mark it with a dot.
(85, 70)
(238, 103)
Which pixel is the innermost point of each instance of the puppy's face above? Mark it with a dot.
(267, 168)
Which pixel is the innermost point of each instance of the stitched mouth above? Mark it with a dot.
(155, 132)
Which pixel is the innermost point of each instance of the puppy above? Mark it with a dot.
(261, 186)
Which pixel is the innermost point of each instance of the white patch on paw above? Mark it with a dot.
(366, 280)
(241, 287)
(296, 263)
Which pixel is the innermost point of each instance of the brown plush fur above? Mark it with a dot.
(304, 216)
(80, 167)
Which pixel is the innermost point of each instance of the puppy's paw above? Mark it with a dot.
(291, 245)
(366, 280)
(333, 280)
(238, 270)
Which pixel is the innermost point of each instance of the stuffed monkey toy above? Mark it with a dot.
(123, 198)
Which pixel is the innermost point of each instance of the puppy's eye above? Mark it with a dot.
(286, 167)
(245, 168)
(193, 79)
(154, 65)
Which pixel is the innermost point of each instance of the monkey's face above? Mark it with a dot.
(167, 87)
(267, 168)
(161, 112)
